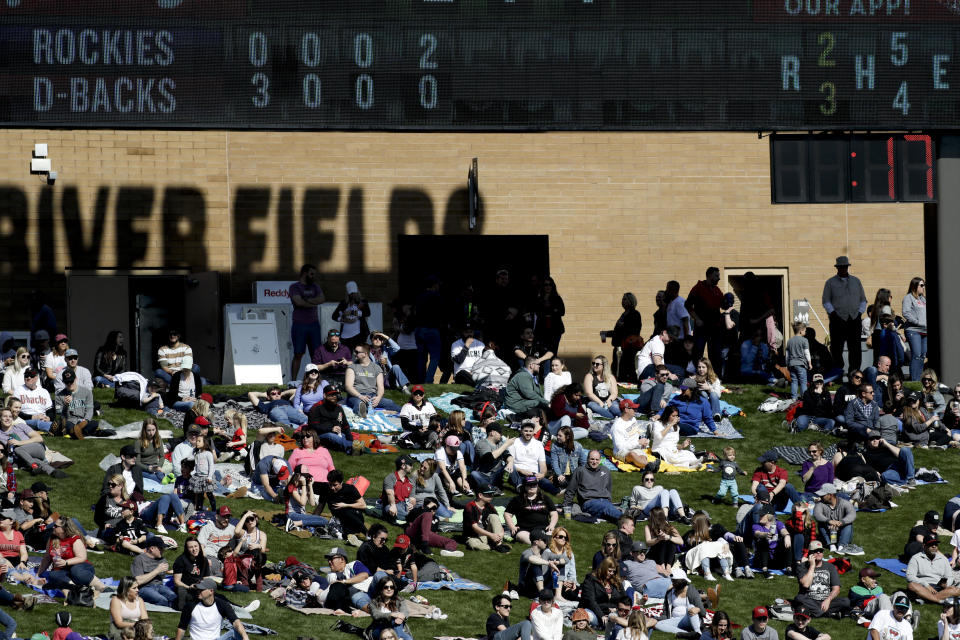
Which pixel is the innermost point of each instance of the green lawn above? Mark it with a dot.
(879, 534)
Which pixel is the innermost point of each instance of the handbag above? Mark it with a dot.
(81, 596)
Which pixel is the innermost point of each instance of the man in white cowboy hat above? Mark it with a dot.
(844, 301)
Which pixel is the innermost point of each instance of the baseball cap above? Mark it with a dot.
(68, 376)
(206, 583)
(402, 542)
(311, 367)
(930, 539)
(154, 541)
(487, 490)
(762, 493)
(873, 434)
(336, 551)
(207, 397)
(580, 614)
(901, 601)
(452, 441)
(825, 488)
(61, 337)
(538, 534)
(802, 612)
(128, 451)
(679, 574)
(769, 456)
(760, 612)
(402, 460)
(639, 545)
(818, 377)
(284, 474)
(40, 335)
(202, 421)
(931, 516)
(331, 390)
(626, 402)
(37, 487)
(128, 504)
(71, 352)
(291, 561)
(417, 388)
(224, 511)
(26, 494)
(868, 572)
(30, 372)
(530, 480)
(815, 545)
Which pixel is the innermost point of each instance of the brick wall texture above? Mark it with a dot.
(624, 211)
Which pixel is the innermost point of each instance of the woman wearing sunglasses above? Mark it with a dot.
(560, 551)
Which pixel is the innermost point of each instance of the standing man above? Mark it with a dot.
(844, 301)
(703, 303)
(591, 486)
(677, 314)
(204, 616)
(305, 295)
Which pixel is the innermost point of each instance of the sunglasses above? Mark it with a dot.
(926, 379)
(112, 484)
(598, 364)
(505, 606)
(761, 619)
(648, 479)
(388, 586)
(359, 352)
(560, 537)
(333, 333)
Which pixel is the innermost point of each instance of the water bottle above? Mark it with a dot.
(556, 580)
(833, 536)
(11, 478)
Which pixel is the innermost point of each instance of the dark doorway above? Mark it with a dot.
(469, 259)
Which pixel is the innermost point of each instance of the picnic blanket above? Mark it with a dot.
(665, 467)
(725, 429)
(799, 455)
(890, 564)
(376, 422)
(415, 609)
(726, 409)
(444, 403)
(747, 498)
(457, 584)
(102, 601)
(130, 431)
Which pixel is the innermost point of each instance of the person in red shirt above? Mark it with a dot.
(703, 304)
(774, 478)
(397, 495)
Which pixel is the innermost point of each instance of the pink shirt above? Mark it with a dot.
(318, 462)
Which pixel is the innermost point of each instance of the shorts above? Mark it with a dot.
(302, 333)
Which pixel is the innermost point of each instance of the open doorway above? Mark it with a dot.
(769, 287)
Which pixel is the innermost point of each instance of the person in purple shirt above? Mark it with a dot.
(305, 295)
(332, 358)
(815, 472)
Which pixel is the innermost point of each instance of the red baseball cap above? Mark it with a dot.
(202, 421)
(402, 542)
(224, 511)
(207, 397)
(626, 402)
(417, 387)
(760, 612)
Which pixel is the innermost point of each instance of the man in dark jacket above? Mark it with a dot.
(844, 394)
(817, 407)
(328, 419)
(523, 395)
(591, 486)
(126, 467)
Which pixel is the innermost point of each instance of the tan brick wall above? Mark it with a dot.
(625, 211)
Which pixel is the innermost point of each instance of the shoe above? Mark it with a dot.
(738, 572)
(450, 554)
(709, 577)
(362, 410)
(914, 617)
(353, 540)
(291, 524)
(183, 528)
(409, 588)
(853, 550)
(514, 595)
(727, 576)
(833, 548)
(161, 529)
(717, 417)
(912, 483)
(56, 473)
(770, 576)
(716, 500)
(253, 606)
(30, 601)
(503, 548)
(748, 572)
(77, 431)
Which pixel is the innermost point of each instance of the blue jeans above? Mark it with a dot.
(611, 412)
(161, 507)
(39, 424)
(545, 485)
(154, 475)
(676, 625)
(667, 499)
(158, 594)
(802, 422)
(658, 587)
(359, 599)
(714, 401)
(376, 630)
(901, 471)
(428, 343)
(554, 426)
(602, 508)
(166, 377)
(100, 380)
(918, 352)
(844, 534)
(385, 403)
(182, 406)
(442, 511)
(649, 400)
(398, 379)
(287, 414)
(308, 520)
(789, 493)
(729, 486)
(798, 376)
(9, 624)
(76, 574)
(519, 631)
(335, 441)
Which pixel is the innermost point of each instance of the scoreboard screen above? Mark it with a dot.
(730, 65)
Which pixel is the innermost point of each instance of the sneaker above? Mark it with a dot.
(716, 500)
(56, 473)
(727, 576)
(362, 410)
(456, 553)
(253, 606)
(513, 594)
(182, 528)
(853, 550)
(161, 529)
(833, 548)
(709, 577)
(354, 541)
(503, 548)
(748, 572)
(912, 483)
(291, 524)
(840, 549)
(409, 588)
(770, 576)
(717, 417)
(738, 572)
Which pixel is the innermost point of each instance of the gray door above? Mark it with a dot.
(96, 305)
(202, 319)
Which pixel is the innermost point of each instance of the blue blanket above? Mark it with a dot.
(444, 403)
(457, 584)
(376, 422)
(892, 565)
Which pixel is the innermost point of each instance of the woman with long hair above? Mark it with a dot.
(881, 306)
(529, 510)
(310, 391)
(150, 450)
(932, 398)
(609, 548)
(143, 630)
(456, 426)
(600, 387)
(703, 550)
(316, 462)
(560, 550)
(666, 440)
(389, 610)
(948, 626)
(13, 547)
(708, 384)
(914, 309)
(110, 359)
(648, 496)
(557, 377)
(126, 607)
(920, 427)
(567, 410)
(300, 498)
(662, 539)
(566, 455)
(189, 569)
(13, 375)
(64, 563)
(601, 590)
(720, 628)
(428, 484)
(249, 553)
(683, 609)
(108, 510)
(636, 628)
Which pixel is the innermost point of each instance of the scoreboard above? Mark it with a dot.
(730, 65)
